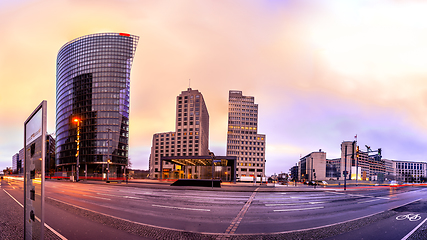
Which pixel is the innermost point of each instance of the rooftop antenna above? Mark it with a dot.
(189, 81)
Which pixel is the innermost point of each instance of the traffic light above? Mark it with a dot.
(357, 151)
(379, 151)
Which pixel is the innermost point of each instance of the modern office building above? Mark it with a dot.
(389, 170)
(312, 167)
(18, 159)
(410, 171)
(333, 167)
(92, 103)
(293, 173)
(16, 165)
(190, 138)
(50, 155)
(243, 140)
(21, 159)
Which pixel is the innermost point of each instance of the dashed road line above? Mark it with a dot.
(373, 200)
(96, 197)
(296, 209)
(182, 208)
(291, 204)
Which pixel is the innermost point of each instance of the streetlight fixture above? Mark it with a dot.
(77, 121)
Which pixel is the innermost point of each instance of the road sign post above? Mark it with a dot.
(34, 168)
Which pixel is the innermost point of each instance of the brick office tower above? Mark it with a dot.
(191, 136)
(243, 141)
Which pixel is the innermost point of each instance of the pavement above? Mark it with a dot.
(12, 219)
(11, 213)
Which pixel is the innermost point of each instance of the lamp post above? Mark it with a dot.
(345, 168)
(109, 159)
(213, 164)
(77, 121)
(108, 170)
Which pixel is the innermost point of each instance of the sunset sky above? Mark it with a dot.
(321, 71)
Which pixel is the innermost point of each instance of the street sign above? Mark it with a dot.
(216, 161)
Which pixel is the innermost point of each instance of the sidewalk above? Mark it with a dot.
(12, 219)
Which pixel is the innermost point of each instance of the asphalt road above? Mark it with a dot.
(229, 212)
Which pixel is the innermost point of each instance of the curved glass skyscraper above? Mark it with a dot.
(92, 102)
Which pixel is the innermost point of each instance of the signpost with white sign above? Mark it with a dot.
(34, 168)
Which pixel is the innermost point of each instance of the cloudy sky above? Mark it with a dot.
(321, 71)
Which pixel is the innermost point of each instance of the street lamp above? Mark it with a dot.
(108, 170)
(77, 121)
(108, 161)
(213, 164)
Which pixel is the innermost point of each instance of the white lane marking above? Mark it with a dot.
(112, 195)
(182, 208)
(45, 224)
(383, 197)
(358, 195)
(413, 230)
(96, 197)
(13, 198)
(290, 204)
(373, 200)
(296, 209)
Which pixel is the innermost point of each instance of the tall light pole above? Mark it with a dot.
(77, 121)
(311, 174)
(108, 161)
(345, 168)
(213, 164)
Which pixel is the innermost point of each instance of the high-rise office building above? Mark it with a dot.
(243, 140)
(347, 161)
(15, 163)
(191, 136)
(92, 102)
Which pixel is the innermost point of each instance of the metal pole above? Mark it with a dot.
(345, 168)
(296, 175)
(78, 148)
(311, 174)
(108, 171)
(86, 171)
(357, 167)
(212, 170)
(108, 160)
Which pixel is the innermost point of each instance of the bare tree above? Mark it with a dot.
(129, 163)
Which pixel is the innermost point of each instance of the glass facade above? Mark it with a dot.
(92, 87)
